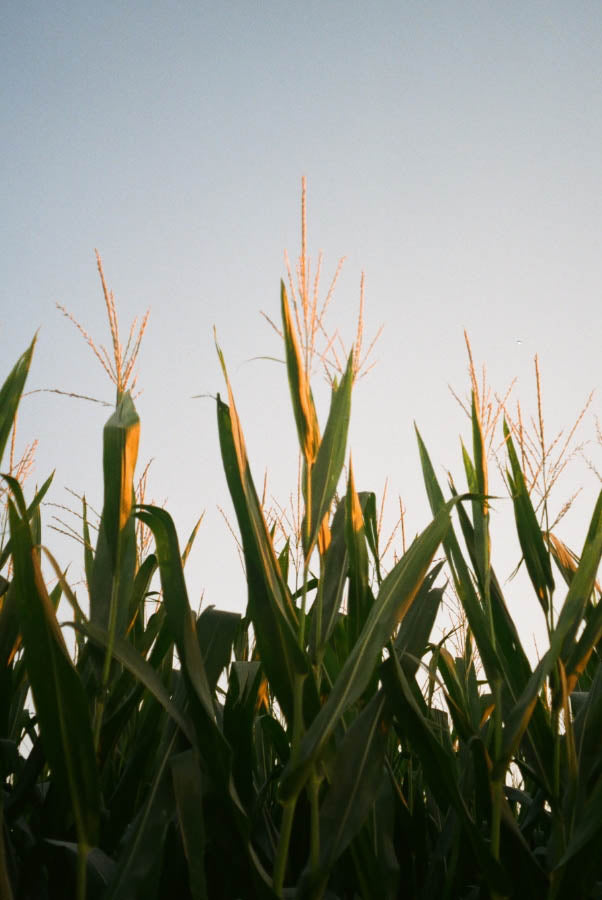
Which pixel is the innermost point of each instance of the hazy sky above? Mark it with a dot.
(452, 151)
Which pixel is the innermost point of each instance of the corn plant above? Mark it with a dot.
(298, 750)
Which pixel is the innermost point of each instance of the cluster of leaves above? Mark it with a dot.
(294, 751)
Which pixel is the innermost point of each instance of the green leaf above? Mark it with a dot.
(326, 470)
(535, 552)
(120, 450)
(239, 716)
(561, 640)
(417, 624)
(476, 615)
(110, 589)
(368, 500)
(480, 507)
(581, 585)
(143, 671)
(301, 396)
(396, 595)
(270, 606)
(216, 631)
(28, 513)
(180, 618)
(332, 583)
(359, 596)
(88, 551)
(191, 539)
(58, 693)
(140, 857)
(10, 394)
(188, 791)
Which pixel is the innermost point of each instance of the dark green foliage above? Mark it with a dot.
(321, 745)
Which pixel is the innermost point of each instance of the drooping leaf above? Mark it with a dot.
(216, 630)
(181, 622)
(59, 697)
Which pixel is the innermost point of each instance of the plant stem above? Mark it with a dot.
(106, 670)
(283, 845)
(289, 807)
(497, 786)
(82, 870)
(313, 790)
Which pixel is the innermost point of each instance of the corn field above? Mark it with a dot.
(321, 745)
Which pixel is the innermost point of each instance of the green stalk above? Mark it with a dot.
(283, 845)
(497, 784)
(313, 790)
(290, 806)
(82, 870)
(303, 606)
(106, 670)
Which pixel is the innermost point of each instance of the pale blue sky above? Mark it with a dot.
(452, 151)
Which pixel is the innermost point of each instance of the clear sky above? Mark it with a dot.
(452, 151)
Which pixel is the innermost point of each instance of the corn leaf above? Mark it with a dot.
(188, 791)
(10, 394)
(180, 619)
(535, 552)
(359, 596)
(326, 470)
(29, 513)
(216, 631)
(301, 396)
(270, 606)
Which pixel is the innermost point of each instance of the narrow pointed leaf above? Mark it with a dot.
(326, 470)
(302, 400)
(358, 599)
(29, 513)
(532, 544)
(269, 602)
(10, 394)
